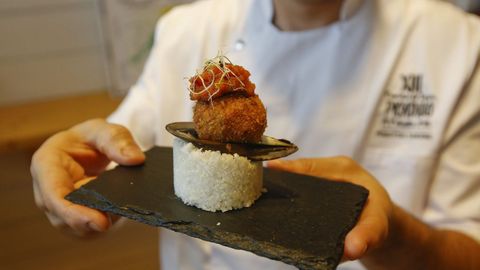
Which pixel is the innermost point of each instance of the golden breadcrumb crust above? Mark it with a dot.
(230, 118)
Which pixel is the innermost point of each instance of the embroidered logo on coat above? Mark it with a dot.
(406, 110)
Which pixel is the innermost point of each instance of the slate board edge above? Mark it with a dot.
(85, 197)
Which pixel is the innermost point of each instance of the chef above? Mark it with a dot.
(393, 86)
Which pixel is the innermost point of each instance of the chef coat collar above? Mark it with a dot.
(349, 8)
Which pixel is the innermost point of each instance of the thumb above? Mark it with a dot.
(114, 141)
(333, 168)
(301, 166)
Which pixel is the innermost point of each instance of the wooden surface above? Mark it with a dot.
(27, 241)
(26, 126)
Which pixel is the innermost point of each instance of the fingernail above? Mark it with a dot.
(355, 248)
(359, 251)
(131, 151)
(94, 227)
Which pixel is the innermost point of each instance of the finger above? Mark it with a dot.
(75, 219)
(92, 161)
(83, 181)
(54, 174)
(114, 141)
(372, 227)
(80, 218)
(117, 143)
(302, 166)
(370, 231)
(297, 165)
(38, 198)
(334, 168)
(72, 229)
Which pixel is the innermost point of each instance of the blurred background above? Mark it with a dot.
(62, 62)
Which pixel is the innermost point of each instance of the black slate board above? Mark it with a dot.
(301, 220)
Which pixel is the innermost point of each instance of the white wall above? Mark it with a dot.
(49, 48)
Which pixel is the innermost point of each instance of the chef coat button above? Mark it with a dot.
(239, 45)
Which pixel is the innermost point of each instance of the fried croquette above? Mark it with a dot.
(227, 108)
(230, 118)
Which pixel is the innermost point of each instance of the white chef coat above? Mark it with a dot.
(395, 84)
(469, 5)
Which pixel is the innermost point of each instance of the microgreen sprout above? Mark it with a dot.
(221, 63)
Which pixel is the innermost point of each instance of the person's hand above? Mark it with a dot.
(69, 159)
(373, 225)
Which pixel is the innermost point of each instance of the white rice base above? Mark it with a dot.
(213, 181)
